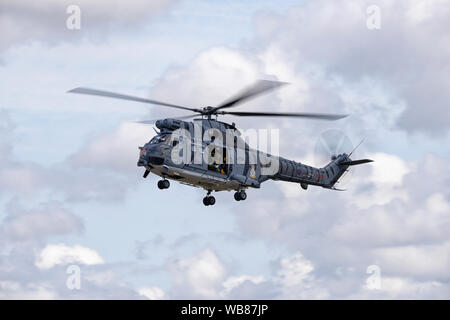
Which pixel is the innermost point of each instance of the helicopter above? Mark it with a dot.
(211, 154)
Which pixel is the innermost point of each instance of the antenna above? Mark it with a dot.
(357, 146)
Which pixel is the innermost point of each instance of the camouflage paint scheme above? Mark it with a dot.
(156, 158)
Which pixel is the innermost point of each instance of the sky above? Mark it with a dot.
(71, 195)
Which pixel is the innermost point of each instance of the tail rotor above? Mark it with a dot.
(330, 144)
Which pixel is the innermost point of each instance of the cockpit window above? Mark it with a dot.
(159, 139)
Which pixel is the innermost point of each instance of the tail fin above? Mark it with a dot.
(339, 166)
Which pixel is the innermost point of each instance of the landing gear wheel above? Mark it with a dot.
(209, 201)
(163, 184)
(240, 195)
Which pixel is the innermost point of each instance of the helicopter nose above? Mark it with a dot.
(150, 156)
(142, 157)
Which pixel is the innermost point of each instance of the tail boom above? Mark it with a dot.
(325, 177)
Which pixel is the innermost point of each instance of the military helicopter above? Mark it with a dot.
(224, 161)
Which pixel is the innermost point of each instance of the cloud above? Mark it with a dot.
(430, 262)
(91, 174)
(10, 290)
(203, 275)
(24, 20)
(390, 210)
(31, 268)
(296, 279)
(21, 177)
(401, 288)
(331, 39)
(60, 254)
(152, 293)
(395, 214)
(213, 76)
(116, 151)
(16, 177)
(401, 229)
(101, 278)
(199, 276)
(235, 282)
(47, 220)
(293, 277)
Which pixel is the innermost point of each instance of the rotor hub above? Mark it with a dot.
(207, 109)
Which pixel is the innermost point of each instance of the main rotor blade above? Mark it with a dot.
(319, 116)
(108, 94)
(154, 120)
(258, 88)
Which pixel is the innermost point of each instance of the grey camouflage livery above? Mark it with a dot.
(155, 156)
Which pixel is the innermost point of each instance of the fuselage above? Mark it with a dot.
(224, 163)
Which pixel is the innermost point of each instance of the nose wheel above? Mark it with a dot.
(163, 184)
(240, 195)
(209, 200)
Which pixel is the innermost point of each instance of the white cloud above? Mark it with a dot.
(10, 290)
(296, 279)
(332, 38)
(100, 278)
(387, 169)
(234, 282)
(198, 276)
(202, 276)
(117, 150)
(213, 76)
(386, 173)
(152, 293)
(404, 287)
(293, 278)
(397, 210)
(423, 262)
(24, 20)
(49, 219)
(422, 10)
(294, 270)
(60, 254)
